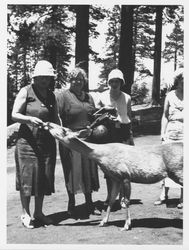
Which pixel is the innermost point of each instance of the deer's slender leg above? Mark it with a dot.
(114, 192)
(127, 193)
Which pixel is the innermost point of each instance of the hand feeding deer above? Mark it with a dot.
(125, 164)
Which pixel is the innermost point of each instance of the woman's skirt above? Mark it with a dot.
(35, 168)
(81, 173)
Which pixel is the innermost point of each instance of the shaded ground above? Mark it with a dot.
(151, 224)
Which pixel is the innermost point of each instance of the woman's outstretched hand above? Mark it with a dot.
(35, 121)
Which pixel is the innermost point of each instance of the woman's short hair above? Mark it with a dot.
(178, 74)
(78, 71)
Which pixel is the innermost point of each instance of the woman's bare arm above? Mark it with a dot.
(164, 120)
(18, 110)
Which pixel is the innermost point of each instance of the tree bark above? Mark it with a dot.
(82, 37)
(157, 57)
(175, 59)
(126, 64)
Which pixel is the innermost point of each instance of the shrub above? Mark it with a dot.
(139, 93)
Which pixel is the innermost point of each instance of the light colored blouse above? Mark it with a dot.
(120, 105)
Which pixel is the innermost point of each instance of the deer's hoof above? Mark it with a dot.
(126, 227)
(103, 224)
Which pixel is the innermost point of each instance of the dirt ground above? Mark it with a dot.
(157, 225)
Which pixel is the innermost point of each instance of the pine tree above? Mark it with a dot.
(142, 44)
(40, 33)
(85, 28)
(143, 40)
(110, 61)
(174, 46)
(126, 64)
(157, 56)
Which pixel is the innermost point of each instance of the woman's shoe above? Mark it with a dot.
(91, 209)
(180, 205)
(71, 212)
(27, 221)
(96, 211)
(71, 205)
(42, 219)
(122, 203)
(159, 202)
(106, 202)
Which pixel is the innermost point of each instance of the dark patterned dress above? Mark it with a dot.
(35, 152)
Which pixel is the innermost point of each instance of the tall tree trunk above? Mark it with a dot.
(25, 80)
(175, 60)
(135, 17)
(126, 44)
(52, 50)
(82, 37)
(52, 58)
(175, 56)
(157, 57)
(16, 72)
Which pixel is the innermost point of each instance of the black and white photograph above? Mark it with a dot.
(95, 125)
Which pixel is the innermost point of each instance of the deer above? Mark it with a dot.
(125, 163)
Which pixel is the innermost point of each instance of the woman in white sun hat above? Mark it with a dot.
(172, 127)
(35, 152)
(121, 102)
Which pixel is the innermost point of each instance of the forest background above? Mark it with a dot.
(144, 41)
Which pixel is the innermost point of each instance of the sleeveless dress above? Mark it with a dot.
(174, 130)
(35, 152)
(175, 127)
(81, 173)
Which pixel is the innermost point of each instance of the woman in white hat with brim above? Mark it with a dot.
(121, 102)
(35, 152)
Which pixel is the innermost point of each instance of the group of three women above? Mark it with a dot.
(35, 152)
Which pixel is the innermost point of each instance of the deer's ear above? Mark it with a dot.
(84, 133)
